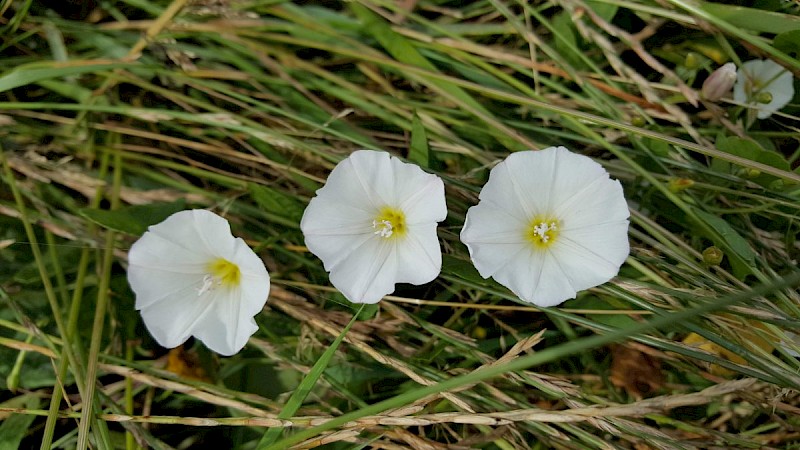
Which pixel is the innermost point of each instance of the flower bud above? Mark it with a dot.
(712, 256)
(638, 121)
(764, 97)
(719, 82)
(679, 184)
(692, 61)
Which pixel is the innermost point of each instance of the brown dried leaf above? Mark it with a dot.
(634, 371)
(186, 364)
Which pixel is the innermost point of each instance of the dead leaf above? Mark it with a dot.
(697, 341)
(636, 372)
(186, 364)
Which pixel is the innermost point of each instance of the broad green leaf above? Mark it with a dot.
(732, 240)
(789, 43)
(463, 269)
(606, 10)
(133, 219)
(15, 427)
(565, 39)
(418, 153)
(751, 150)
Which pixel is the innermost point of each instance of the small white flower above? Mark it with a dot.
(373, 224)
(764, 85)
(191, 277)
(549, 223)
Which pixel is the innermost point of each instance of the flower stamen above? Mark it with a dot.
(542, 232)
(390, 223)
(385, 229)
(221, 272)
(208, 285)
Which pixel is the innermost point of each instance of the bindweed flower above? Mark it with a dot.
(763, 85)
(549, 223)
(719, 83)
(191, 277)
(373, 224)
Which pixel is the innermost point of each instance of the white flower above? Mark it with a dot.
(549, 223)
(764, 85)
(373, 224)
(191, 277)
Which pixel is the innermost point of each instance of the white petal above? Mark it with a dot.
(368, 273)
(419, 257)
(593, 255)
(492, 236)
(191, 229)
(254, 283)
(575, 175)
(418, 194)
(229, 325)
(492, 258)
(554, 286)
(535, 277)
(520, 185)
(171, 322)
(333, 249)
(602, 202)
(153, 285)
(326, 216)
(772, 77)
(485, 223)
(763, 69)
(782, 90)
(362, 180)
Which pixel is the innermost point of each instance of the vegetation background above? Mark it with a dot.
(116, 113)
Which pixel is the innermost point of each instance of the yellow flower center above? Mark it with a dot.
(221, 272)
(390, 223)
(542, 231)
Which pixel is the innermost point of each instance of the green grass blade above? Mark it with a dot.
(550, 354)
(309, 381)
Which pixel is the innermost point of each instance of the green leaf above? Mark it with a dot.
(566, 40)
(35, 72)
(751, 150)
(732, 240)
(276, 202)
(133, 219)
(419, 143)
(606, 11)
(753, 19)
(789, 43)
(462, 269)
(15, 427)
